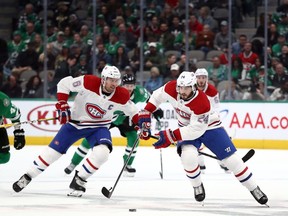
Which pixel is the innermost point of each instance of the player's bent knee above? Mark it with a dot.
(234, 163)
(189, 156)
(100, 154)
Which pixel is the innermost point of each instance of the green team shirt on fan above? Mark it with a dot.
(139, 94)
(8, 110)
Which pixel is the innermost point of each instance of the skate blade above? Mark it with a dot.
(75, 193)
(128, 174)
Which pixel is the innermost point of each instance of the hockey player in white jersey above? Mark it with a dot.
(201, 75)
(196, 125)
(90, 118)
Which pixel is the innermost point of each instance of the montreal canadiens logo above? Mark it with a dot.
(95, 111)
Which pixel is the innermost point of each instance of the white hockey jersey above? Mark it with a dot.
(194, 116)
(92, 108)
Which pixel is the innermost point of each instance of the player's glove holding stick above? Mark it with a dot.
(144, 124)
(19, 139)
(166, 138)
(64, 113)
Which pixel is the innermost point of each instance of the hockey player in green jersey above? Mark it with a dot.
(9, 111)
(122, 122)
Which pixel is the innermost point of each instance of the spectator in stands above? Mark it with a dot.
(51, 59)
(101, 54)
(82, 67)
(284, 56)
(238, 46)
(205, 39)
(120, 59)
(57, 45)
(106, 35)
(154, 27)
(34, 88)
(62, 56)
(155, 81)
(254, 71)
(66, 68)
(78, 43)
(276, 48)
(74, 23)
(194, 25)
(26, 60)
(174, 73)
(237, 68)
(177, 29)
(135, 60)
(248, 58)
(85, 34)
(126, 38)
(166, 66)
(166, 37)
(113, 44)
(205, 18)
(236, 94)
(182, 63)
(166, 14)
(279, 76)
(29, 16)
(217, 72)
(134, 28)
(280, 93)
(39, 46)
(29, 33)
(221, 40)
(62, 14)
(12, 87)
(253, 94)
(152, 58)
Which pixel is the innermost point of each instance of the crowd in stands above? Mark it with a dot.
(70, 46)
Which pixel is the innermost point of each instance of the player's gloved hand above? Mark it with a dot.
(19, 139)
(144, 124)
(158, 114)
(165, 139)
(64, 114)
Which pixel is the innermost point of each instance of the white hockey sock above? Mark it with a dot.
(40, 164)
(97, 157)
(190, 164)
(241, 171)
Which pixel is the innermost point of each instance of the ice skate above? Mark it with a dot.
(129, 171)
(199, 193)
(21, 183)
(69, 168)
(77, 186)
(259, 196)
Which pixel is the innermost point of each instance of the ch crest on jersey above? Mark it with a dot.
(95, 111)
(183, 114)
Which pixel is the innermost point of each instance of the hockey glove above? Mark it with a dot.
(144, 123)
(19, 139)
(165, 139)
(158, 114)
(64, 114)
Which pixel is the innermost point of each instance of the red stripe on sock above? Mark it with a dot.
(192, 171)
(241, 173)
(43, 161)
(91, 164)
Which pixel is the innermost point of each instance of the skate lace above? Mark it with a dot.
(23, 182)
(257, 193)
(198, 190)
(80, 182)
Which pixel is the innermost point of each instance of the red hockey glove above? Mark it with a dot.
(64, 114)
(165, 139)
(144, 123)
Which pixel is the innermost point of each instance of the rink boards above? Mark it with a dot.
(251, 125)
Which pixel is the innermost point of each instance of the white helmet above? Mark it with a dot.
(201, 72)
(111, 72)
(186, 78)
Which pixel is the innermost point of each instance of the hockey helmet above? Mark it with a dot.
(186, 78)
(128, 79)
(201, 72)
(111, 72)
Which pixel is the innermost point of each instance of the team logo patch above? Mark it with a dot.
(95, 111)
(183, 114)
(6, 102)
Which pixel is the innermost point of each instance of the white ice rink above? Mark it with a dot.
(146, 192)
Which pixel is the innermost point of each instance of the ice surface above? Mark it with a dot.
(146, 192)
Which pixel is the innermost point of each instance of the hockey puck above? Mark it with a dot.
(132, 210)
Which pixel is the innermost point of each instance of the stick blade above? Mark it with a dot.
(248, 155)
(106, 192)
(161, 175)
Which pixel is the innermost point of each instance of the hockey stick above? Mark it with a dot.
(26, 122)
(108, 193)
(161, 164)
(245, 158)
